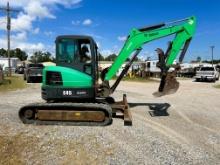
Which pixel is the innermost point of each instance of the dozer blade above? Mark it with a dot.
(168, 85)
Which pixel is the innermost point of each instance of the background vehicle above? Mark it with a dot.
(75, 77)
(20, 70)
(33, 73)
(209, 73)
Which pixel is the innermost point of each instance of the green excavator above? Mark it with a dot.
(72, 90)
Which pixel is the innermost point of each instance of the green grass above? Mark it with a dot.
(12, 83)
(217, 86)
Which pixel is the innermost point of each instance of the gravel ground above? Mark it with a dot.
(183, 128)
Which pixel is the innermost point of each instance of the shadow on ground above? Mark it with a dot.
(156, 109)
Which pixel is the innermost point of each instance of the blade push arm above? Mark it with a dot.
(138, 38)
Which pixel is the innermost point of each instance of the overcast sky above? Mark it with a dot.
(38, 23)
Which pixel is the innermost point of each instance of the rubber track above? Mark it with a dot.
(67, 106)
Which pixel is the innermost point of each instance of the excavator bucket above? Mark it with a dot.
(168, 82)
(168, 85)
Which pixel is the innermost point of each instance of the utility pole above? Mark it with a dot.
(212, 48)
(8, 10)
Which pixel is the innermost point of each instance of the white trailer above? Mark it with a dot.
(4, 62)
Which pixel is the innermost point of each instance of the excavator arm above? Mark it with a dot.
(183, 31)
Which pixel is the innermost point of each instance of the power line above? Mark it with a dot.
(8, 11)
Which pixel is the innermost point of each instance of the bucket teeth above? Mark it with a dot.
(168, 85)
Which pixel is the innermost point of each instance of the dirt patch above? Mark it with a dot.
(22, 149)
(12, 148)
(184, 129)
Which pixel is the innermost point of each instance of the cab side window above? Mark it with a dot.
(85, 53)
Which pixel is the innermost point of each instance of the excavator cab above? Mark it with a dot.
(76, 72)
(77, 52)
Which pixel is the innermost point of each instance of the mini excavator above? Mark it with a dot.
(72, 90)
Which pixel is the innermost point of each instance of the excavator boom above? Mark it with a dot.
(183, 31)
(139, 37)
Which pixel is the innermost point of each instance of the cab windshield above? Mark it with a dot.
(73, 51)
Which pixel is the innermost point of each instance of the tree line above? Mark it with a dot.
(199, 59)
(41, 56)
(37, 57)
(112, 57)
(44, 56)
(21, 55)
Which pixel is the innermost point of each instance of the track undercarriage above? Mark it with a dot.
(86, 114)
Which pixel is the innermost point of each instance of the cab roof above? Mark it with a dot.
(75, 37)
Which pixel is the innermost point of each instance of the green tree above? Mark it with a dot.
(40, 56)
(136, 59)
(210, 61)
(100, 57)
(111, 57)
(198, 59)
(22, 55)
(3, 52)
(12, 53)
